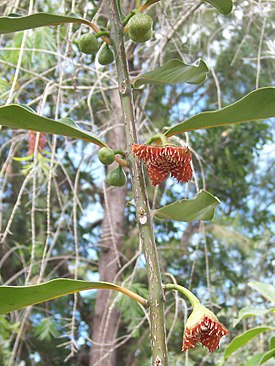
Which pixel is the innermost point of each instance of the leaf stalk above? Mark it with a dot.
(183, 290)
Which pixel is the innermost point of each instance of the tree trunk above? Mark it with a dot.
(106, 318)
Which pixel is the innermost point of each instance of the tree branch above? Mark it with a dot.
(158, 336)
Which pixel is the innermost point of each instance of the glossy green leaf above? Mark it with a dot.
(10, 24)
(243, 339)
(16, 116)
(256, 105)
(247, 312)
(260, 358)
(201, 207)
(224, 6)
(175, 72)
(17, 297)
(265, 289)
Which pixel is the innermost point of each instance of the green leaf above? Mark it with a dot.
(265, 289)
(260, 358)
(16, 116)
(256, 105)
(272, 343)
(246, 312)
(201, 207)
(224, 6)
(17, 297)
(267, 356)
(175, 72)
(9, 24)
(242, 339)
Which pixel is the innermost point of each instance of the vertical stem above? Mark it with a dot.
(158, 336)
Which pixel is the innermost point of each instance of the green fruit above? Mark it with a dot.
(140, 28)
(106, 155)
(88, 43)
(116, 177)
(106, 56)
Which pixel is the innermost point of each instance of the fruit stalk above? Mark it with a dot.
(156, 300)
(128, 16)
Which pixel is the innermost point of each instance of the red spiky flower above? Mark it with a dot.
(32, 140)
(203, 327)
(164, 160)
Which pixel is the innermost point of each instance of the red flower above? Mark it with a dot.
(164, 160)
(32, 140)
(203, 327)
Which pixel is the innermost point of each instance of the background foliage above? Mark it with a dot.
(52, 208)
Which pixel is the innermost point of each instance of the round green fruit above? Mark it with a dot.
(140, 28)
(106, 56)
(88, 43)
(116, 177)
(106, 155)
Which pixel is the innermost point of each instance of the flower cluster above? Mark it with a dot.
(164, 160)
(203, 327)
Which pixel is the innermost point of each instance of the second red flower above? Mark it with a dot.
(164, 160)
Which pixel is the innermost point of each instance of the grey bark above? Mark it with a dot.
(145, 224)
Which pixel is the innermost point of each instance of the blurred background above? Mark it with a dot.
(58, 217)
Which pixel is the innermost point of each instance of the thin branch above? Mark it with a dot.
(158, 333)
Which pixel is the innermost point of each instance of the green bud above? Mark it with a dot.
(116, 177)
(88, 43)
(106, 56)
(106, 155)
(140, 28)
